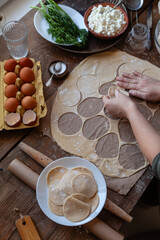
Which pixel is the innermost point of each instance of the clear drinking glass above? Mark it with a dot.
(2, 21)
(137, 39)
(15, 34)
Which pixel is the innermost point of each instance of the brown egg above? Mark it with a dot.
(10, 64)
(28, 89)
(11, 104)
(27, 75)
(11, 90)
(10, 78)
(28, 102)
(26, 62)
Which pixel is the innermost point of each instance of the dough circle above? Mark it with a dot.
(77, 207)
(56, 193)
(87, 84)
(56, 209)
(65, 99)
(82, 170)
(94, 202)
(66, 182)
(55, 174)
(84, 184)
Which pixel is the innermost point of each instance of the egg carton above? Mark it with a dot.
(40, 109)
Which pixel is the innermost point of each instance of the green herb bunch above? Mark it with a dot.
(61, 26)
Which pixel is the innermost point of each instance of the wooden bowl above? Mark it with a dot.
(102, 36)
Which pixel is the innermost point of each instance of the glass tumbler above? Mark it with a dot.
(15, 34)
(2, 21)
(137, 39)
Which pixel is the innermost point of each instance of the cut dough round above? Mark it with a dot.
(87, 84)
(56, 209)
(66, 182)
(64, 96)
(112, 89)
(55, 174)
(154, 73)
(84, 184)
(94, 202)
(76, 207)
(56, 193)
(130, 66)
(82, 170)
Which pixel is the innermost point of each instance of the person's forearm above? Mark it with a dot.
(147, 137)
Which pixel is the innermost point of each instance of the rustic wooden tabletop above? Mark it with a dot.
(13, 192)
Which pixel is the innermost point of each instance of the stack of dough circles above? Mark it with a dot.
(72, 192)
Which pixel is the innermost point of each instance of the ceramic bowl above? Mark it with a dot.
(102, 36)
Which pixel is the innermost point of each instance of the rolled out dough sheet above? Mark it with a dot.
(73, 121)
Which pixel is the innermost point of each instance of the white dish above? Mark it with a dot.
(42, 25)
(69, 162)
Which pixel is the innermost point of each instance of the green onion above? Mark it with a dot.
(61, 26)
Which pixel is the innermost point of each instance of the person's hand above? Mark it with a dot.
(140, 86)
(119, 106)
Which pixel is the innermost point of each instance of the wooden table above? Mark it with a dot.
(14, 193)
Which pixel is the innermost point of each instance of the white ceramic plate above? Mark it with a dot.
(69, 162)
(42, 25)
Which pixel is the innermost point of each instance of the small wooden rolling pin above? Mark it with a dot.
(44, 161)
(96, 226)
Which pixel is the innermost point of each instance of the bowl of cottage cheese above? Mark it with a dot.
(105, 22)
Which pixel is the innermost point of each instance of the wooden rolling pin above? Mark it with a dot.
(96, 226)
(44, 161)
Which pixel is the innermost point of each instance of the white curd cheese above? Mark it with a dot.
(104, 22)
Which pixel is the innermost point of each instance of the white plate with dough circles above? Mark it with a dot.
(42, 189)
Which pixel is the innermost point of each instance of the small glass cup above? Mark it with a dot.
(15, 34)
(157, 36)
(2, 21)
(137, 39)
